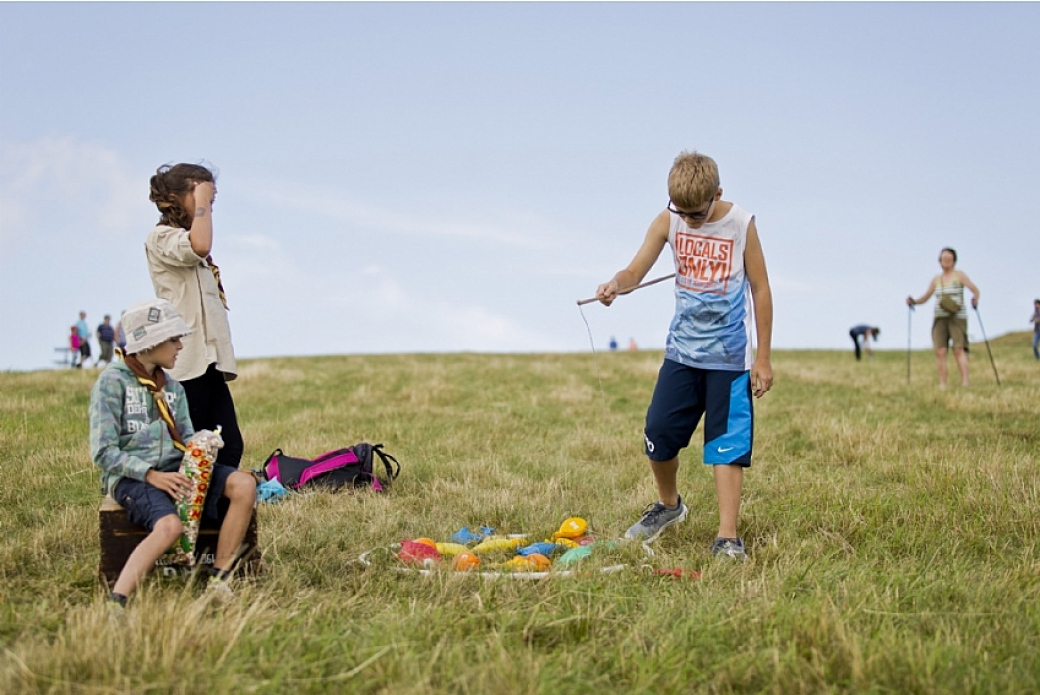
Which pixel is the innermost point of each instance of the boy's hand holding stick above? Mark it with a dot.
(629, 289)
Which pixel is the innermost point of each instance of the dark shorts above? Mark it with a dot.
(949, 329)
(682, 395)
(145, 504)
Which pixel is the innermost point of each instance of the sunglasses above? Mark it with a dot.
(692, 215)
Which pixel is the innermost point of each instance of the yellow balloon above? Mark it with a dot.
(573, 527)
(529, 563)
(450, 549)
(493, 545)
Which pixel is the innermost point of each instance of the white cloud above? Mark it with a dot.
(59, 185)
(477, 328)
(336, 205)
(255, 242)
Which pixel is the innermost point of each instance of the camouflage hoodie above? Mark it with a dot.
(127, 434)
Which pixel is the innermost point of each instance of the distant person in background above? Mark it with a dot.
(632, 344)
(84, 338)
(106, 336)
(120, 333)
(864, 333)
(951, 314)
(183, 273)
(613, 343)
(1036, 328)
(74, 347)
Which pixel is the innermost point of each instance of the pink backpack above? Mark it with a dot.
(351, 466)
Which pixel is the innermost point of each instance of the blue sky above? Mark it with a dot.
(413, 177)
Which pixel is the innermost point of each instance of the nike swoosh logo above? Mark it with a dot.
(728, 448)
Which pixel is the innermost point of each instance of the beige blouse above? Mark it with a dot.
(182, 278)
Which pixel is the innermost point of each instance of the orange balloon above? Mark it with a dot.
(427, 541)
(539, 562)
(464, 562)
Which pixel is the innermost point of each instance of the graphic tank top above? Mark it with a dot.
(712, 324)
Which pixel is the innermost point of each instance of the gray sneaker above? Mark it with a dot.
(656, 518)
(219, 590)
(729, 547)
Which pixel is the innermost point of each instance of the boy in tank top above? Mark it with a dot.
(709, 367)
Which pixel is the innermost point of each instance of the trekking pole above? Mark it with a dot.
(988, 351)
(909, 322)
(630, 289)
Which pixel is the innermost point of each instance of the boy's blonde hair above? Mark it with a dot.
(693, 180)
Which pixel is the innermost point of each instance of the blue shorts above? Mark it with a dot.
(145, 504)
(682, 395)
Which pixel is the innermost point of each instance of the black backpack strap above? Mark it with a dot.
(387, 459)
(263, 469)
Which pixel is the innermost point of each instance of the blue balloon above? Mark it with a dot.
(543, 548)
(464, 535)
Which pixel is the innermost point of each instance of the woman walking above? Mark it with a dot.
(951, 314)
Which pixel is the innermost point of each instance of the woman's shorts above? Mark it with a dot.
(950, 327)
(145, 504)
(682, 395)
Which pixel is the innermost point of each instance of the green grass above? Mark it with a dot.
(892, 532)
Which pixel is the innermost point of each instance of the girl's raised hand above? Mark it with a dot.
(205, 193)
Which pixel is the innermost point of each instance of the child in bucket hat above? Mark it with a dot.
(151, 323)
(139, 424)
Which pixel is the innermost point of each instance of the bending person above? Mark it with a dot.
(951, 314)
(864, 333)
(183, 273)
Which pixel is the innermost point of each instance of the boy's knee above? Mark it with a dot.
(170, 528)
(240, 488)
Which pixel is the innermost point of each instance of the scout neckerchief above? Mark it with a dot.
(155, 383)
(216, 276)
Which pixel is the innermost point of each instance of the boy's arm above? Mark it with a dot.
(106, 407)
(762, 296)
(656, 238)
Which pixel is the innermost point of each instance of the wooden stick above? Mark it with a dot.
(630, 289)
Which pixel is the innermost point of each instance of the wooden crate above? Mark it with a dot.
(119, 538)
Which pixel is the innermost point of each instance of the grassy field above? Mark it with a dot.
(892, 532)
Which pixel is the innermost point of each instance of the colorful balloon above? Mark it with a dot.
(465, 561)
(573, 527)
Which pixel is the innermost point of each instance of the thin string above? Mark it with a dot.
(595, 355)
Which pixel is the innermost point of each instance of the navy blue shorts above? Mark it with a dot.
(682, 395)
(145, 504)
